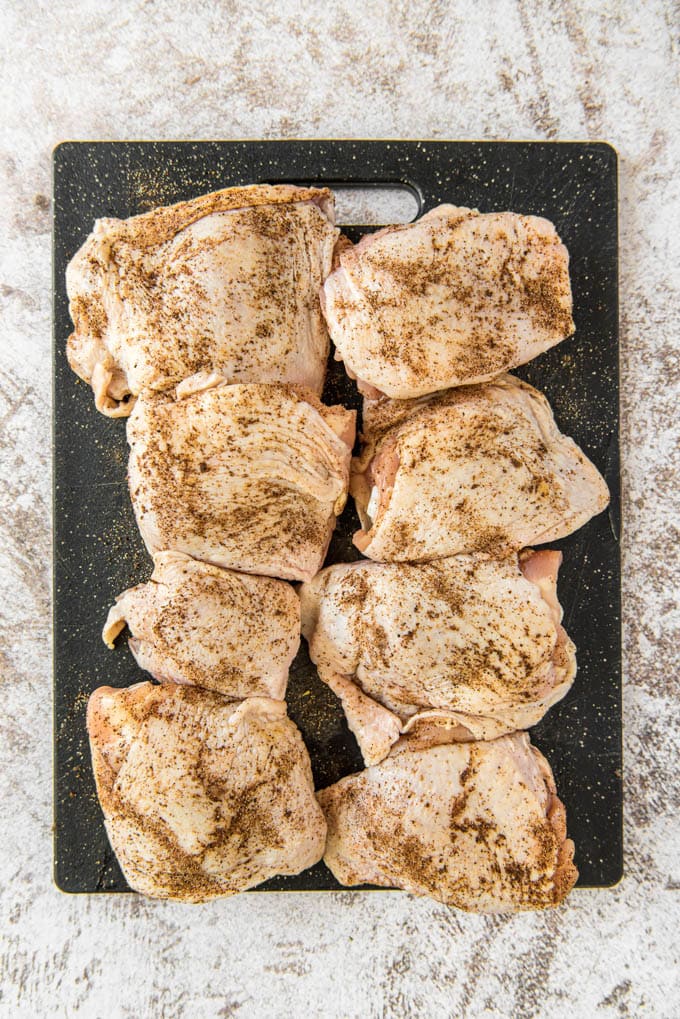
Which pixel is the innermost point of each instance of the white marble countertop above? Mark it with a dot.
(424, 69)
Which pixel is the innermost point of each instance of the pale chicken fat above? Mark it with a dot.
(455, 298)
(195, 623)
(376, 728)
(478, 468)
(477, 826)
(229, 281)
(471, 639)
(247, 477)
(202, 797)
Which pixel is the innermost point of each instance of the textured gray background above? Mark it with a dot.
(350, 69)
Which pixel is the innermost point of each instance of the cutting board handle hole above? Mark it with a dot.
(375, 204)
(369, 203)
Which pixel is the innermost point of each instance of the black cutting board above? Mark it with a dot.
(97, 549)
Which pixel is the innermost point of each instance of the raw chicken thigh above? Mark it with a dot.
(227, 282)
(199, 624)
(456, 297)
(474, 825)
(479, 468)
(202, 797)
(470, 639)
(249, 477)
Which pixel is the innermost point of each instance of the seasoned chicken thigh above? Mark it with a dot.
(474, 825)
(202, 797)
(226, 282)
(249, 477)
(473, 639)
(199, 624)
(454, 298)
(478, 468)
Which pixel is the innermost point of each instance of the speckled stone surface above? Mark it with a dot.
(437, 70)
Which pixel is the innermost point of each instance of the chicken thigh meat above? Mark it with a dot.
(478, 468)
(455, 298)
(199, 624)
(226, 282)
(202, 797)
(477, 826)
(248, 477)
(474, 639)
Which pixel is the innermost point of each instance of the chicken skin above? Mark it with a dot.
(454, 298)
(478, 468)
(472, 639)
(248, 477)
(195, 623)
(226, 282)
(202, 797)
(477, 826)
